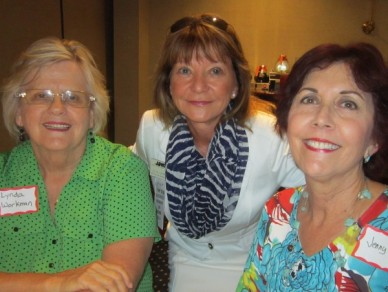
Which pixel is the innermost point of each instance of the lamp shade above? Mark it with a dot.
(282, 65)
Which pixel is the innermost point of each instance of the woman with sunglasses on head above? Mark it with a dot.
(213, 157)
(76, 210)
(332, 233)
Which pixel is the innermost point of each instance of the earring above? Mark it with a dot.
(92, 139)
(22, 135)
(234, 94)
(366, 158)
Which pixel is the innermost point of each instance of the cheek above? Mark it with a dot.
(176, 93)
(175, 86)
(293, 122)
(27, 116)
(91, 119)
(293, 140)
(176, 101)
(358, 134)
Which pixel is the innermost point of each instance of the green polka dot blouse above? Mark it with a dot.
(107, 199)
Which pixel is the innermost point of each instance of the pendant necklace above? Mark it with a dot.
(363, 194)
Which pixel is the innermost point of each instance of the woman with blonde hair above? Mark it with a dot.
(76, 210)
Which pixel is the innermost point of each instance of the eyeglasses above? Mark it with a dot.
(46, 97)
(186, 21)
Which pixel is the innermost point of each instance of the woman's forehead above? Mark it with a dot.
(198, 54)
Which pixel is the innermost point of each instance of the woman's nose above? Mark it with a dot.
(199, 83)
(324, 117)
(57, 104)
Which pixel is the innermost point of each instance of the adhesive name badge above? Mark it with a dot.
(157, 168)
(157, 172)
(160, 193)
(373, 247)
(16, 201)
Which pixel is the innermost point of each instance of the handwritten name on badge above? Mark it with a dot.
(157, 168)
(372, 247)
(157, 172)
(17, 201)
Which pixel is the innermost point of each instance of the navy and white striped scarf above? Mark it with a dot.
(203, 192)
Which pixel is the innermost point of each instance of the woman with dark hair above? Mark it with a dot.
(214, 158)
(330, 234)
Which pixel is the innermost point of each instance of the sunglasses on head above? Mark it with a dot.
(187, 21)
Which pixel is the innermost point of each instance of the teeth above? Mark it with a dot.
(57, 126)
(321, 145)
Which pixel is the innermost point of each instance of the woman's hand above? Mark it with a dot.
(96, 276)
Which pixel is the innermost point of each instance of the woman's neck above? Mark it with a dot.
(202, 136)
(330, 211)
(58, 162)
(323, 196)
(333, 199)
(57, 168)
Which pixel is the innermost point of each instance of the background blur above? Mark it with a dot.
(126, 37)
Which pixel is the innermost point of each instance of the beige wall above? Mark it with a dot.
(269, 28)
(266, 29)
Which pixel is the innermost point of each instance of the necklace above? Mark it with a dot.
(363, 194)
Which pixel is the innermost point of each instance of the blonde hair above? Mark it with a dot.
(45, 52)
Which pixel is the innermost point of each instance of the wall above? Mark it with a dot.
(24, 21)
(268, 28)
(15, 37)
(126, 73)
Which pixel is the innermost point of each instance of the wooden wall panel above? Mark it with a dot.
(24, 21)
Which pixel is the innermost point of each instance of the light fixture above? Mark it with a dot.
(282, 65)
(369, 26)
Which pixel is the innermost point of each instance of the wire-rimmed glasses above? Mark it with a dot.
(46, 97)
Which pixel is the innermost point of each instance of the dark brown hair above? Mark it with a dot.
(370, 74)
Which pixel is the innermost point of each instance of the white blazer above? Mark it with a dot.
(215, 262)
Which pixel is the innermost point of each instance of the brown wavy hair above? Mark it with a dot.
(199, 34)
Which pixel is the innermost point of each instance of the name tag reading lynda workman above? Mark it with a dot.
(17, 201)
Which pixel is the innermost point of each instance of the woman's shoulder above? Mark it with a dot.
(261, 129)
(260, 113)
(17, 154)
(114, 154)
(151, 117)
(262, 118)
(105, 147)
(3, 159)
(152, 130)
(284, 199)
(151, 124)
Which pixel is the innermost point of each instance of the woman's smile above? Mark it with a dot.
(320, 145)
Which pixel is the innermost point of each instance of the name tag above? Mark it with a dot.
(16, 201)
(372, 247)
(157, 172)
(157, 168)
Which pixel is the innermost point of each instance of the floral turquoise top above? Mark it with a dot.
(355, 261)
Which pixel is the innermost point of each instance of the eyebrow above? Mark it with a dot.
(352, 92)
(308, 88)
(341, 92)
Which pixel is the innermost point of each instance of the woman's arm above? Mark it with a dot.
(97, 276)
(132, 255)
